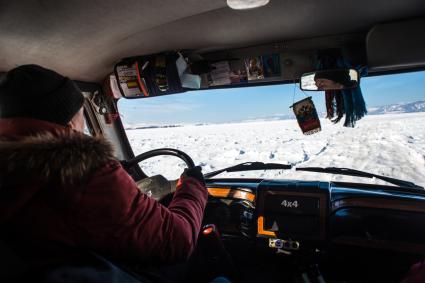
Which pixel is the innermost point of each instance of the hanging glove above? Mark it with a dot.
(195, 172)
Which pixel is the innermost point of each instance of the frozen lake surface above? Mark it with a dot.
(391, 145)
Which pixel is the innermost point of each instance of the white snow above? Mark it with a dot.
(391, 145)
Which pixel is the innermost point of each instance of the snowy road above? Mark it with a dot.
(391, 145)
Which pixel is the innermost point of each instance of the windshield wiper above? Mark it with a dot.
(250, 166)
(357, 173)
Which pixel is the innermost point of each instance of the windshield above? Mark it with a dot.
(223, 127)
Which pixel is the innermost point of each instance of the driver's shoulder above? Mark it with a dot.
(63, 157)
(81, 156)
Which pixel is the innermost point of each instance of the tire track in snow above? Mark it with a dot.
(306, 158)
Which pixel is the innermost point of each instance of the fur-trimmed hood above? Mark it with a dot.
(62, 157)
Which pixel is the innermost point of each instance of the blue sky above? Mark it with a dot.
(225, 105)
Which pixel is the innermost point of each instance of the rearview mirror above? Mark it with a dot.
(330, 80)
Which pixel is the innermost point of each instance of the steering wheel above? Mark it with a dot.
(156, 152)
(159, 187)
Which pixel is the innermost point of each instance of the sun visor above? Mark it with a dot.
(399, 45)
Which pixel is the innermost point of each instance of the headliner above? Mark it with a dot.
(83, 39)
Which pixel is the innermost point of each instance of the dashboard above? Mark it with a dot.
(287, 215)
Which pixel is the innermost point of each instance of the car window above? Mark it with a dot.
(88, 128)
(224, 127)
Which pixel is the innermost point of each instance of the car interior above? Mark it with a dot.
(255, 229)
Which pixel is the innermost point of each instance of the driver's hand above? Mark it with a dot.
(196, 173)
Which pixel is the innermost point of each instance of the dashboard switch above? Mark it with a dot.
(295, 245)
(284, 244)
(208, 230)
(276, 243)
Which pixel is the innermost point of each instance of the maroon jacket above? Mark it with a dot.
(416, 273)
(58, 186)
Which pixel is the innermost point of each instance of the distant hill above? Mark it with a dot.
(412, 107)
(144, 126)
(275, 117)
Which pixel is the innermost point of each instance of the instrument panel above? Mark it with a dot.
(231, 209)
(296, 210)
(289, 210)
(293, 215)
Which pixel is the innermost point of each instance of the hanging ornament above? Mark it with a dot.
(348, 102)
(306, 115)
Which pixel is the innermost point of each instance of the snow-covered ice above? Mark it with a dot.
(391, 145)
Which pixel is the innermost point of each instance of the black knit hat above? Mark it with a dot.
(35, 92)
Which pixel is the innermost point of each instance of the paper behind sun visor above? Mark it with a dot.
(187, 80)
(221, 74)
(127, 76)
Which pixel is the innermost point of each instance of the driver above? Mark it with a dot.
(61, 188)
(333, 80)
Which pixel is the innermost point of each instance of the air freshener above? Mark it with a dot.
(307, 117)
